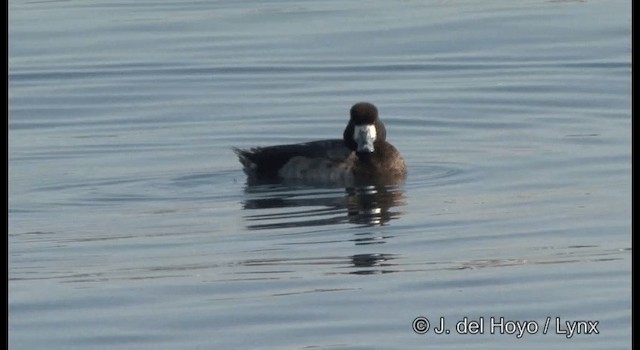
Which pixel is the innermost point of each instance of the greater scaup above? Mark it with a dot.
(362, 156)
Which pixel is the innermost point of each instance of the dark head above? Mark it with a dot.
(364, 130)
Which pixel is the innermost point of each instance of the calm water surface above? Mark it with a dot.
(131, 224)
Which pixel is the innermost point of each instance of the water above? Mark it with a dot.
(131, 224)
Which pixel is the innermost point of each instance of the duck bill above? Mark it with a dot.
(365, 136)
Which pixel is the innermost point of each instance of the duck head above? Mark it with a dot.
(364, 130)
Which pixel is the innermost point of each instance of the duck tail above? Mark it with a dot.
(244, 156)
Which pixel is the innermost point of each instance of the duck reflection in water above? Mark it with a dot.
(282, 206)
(300, 210)
(372, 264)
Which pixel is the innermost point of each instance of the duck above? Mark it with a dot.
(362, 156)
